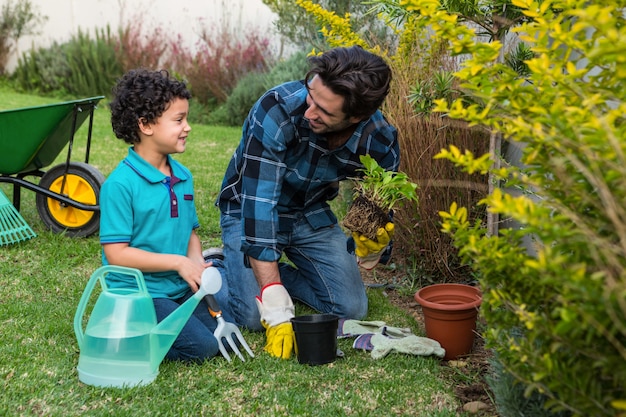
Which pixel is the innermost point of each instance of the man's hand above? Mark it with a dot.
(279, 340)
(277, 310)
(368, 251)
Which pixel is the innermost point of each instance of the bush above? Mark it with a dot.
(82, 67)
(136, 49)
(92, 63)
(293, 68)
(42, 70)
(510, 395)
(567, 290)
(223, 57)
(87, 65)
(234, 111)
(16, 20)
(428, 255)
(303, 30)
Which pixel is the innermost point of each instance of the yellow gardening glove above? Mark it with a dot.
(279, 340)
(277, 310)
(368, 251)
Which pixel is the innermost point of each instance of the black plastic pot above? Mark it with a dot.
(316, 338)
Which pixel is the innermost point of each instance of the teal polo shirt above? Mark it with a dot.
(141, 206)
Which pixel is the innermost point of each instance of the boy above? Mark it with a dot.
(148, 214)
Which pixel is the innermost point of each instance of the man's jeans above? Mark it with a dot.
(324, 275)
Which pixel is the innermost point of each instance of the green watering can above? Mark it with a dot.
(122, 344)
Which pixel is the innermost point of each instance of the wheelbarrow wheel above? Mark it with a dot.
(82, 184)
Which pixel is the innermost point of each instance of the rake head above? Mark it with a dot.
(13, 227)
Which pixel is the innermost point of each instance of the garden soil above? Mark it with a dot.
(467, 374)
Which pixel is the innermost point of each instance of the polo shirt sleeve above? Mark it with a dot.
(116, 224)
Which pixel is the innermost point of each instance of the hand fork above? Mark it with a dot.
(226, 330)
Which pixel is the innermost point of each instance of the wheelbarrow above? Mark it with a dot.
(31, 139)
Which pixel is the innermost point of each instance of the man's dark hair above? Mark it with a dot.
(142, 95)
(360, 77)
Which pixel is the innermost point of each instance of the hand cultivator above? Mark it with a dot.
(226, 330)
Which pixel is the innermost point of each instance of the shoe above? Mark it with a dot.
(213, 253)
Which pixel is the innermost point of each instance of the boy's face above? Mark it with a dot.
(169, 132)
(325, 112)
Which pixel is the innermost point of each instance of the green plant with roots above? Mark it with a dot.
(566, 290)
(386, 188)
(377, 192)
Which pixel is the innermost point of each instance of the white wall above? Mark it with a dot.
(184, 17)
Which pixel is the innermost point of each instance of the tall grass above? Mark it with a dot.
(426, 253)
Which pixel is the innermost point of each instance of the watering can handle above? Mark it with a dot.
(99, 275)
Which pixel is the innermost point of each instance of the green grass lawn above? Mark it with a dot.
(42, 279)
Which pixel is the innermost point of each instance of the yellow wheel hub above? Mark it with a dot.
(78, 189)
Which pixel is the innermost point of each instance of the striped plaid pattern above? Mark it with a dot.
(282, 171)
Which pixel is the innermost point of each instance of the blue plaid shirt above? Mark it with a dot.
(282, 171)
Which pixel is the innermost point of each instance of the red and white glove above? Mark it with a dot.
(277, 310)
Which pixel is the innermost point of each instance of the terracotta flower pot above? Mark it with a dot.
(450, 312)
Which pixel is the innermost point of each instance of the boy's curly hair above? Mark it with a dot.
(142, 95)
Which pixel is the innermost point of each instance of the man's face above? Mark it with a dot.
(325, 113)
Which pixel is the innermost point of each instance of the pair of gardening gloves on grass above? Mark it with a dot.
(380, 339)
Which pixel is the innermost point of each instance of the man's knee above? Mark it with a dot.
(351, 308)
(357, 309)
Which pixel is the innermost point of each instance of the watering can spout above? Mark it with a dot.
(165, 333)
(122, 344)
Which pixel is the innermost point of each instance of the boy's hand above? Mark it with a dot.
(191, 271)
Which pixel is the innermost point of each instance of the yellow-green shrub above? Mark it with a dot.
(556, 314)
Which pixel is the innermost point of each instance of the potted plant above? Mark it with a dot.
(377, 192)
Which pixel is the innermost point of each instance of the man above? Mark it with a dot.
(299, 140)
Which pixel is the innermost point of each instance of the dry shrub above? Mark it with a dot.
(418, 241)
(222, 57)
(137, 48)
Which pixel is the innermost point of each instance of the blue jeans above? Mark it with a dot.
(195, 342)
(321, 273)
